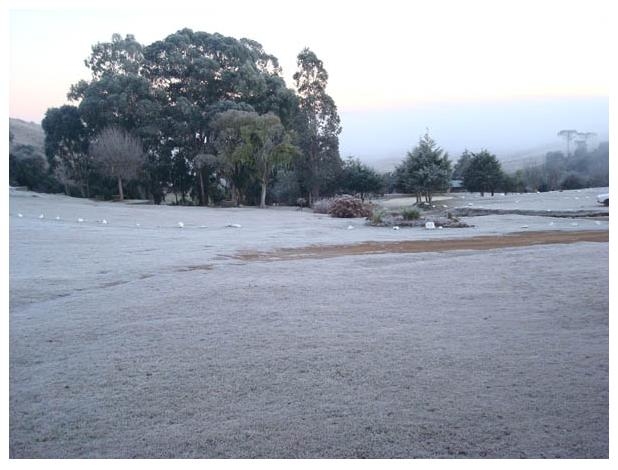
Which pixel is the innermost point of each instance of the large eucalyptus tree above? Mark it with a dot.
(319, 126)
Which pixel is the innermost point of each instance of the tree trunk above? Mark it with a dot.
(120, 188)
(263, 196)
(315, 193)
(203, 201)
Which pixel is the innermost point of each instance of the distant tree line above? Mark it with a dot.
(208, 118)
(427, 170)
(582, 168)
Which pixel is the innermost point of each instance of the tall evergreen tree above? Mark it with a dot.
(319, 126)
(425, 170)
(461, 165)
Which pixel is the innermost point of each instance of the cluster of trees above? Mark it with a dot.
(207, 117)
(482, 172)
(203, 116)
(427, 170)
(583, 169)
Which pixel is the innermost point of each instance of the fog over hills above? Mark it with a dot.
(519, 132)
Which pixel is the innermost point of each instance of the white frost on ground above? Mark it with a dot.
(580, 199)
(149, 341)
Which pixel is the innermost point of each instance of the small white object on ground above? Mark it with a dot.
(350, 227)
(396, 227)
(80, 220)
(524, 226)
(574, 224)
(597, 222)
(430, 225)
(41, 216)
(137, 225)
(104, 222)
(19, 215)
(202, 226)
(445, 206)
(181, 225)
(234, 225)
(551, 223)
(440, 227)
(57, 217)
(469, 203)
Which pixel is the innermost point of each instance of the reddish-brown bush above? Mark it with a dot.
(348, 207)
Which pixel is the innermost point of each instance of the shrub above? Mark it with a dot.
(322, 206)
(573, 181)
(377, 217)
(348, 207)
(410, 214)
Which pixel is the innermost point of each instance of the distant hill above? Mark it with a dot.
(511, 161)
(26, 134)
(521, 159)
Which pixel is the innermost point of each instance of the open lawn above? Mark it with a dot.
(138, 338)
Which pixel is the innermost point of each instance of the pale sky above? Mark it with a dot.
(384, 58)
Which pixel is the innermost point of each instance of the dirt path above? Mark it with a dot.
(420, 246)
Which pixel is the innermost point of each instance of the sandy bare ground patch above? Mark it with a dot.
(419, 246)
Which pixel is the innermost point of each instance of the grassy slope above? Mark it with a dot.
(27, 133)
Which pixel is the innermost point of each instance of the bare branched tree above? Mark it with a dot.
(119, 155)
(62, 173)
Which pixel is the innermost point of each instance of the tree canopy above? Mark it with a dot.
(358, 178)
(319, 126)
(425, 170)
(169, 94)
(217, 121)
(66, 147)
(483, 174)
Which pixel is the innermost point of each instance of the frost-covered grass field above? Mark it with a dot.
(138, 338)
